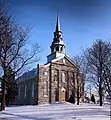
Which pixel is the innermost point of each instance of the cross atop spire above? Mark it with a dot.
(57, 24)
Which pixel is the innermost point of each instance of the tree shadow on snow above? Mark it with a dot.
(90, 112)
(22, 116)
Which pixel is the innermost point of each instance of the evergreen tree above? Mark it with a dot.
(11, 87)
(93, 98)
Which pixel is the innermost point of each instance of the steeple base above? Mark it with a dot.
(54, 56)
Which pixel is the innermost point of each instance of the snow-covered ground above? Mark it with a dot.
(57, 111)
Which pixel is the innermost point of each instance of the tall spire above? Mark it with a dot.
(57, 46)
(57, 24)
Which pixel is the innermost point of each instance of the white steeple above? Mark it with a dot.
(57, 46)
(58, 24)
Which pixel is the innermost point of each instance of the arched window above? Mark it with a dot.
(57, 48)
(45, 88)
(25, 91)
(19, 92)
(62, 48)
(63, 77)
(32, 89)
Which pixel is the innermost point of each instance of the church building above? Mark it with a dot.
(56, 80)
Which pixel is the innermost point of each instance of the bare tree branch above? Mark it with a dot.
(15, 52)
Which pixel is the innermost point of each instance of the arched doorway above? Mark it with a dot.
(63, 94)
(56, 94)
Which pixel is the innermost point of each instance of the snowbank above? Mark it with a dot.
(57, 111)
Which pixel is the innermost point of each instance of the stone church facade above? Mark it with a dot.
(54, 81)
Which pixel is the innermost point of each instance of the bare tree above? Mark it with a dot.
(98, 56)
(107, 75)
(15, 51)
(81, 71)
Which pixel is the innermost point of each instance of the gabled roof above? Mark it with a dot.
(61, 57)
(27, 75)
(70, 60)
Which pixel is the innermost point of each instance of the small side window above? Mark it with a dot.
(61, 48)
(19, 92)
(57, 48)
(45, 88)
(32, 89)
(63, 77)
(25, 91)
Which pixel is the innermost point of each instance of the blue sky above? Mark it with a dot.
(82, 22)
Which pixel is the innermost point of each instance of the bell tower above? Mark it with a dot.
(57, 46)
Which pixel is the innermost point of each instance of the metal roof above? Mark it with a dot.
(28, 75)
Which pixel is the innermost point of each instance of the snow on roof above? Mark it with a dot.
(28, 75)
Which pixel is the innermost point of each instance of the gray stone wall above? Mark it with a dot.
(55, 83)
(50, 85)
(43, 76)
(21, 100)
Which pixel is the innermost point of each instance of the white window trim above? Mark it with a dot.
(19, 92)
(25, 91)
(32, 89)
(63, 77)
(45, 88)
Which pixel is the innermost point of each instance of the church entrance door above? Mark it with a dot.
(63, 94)
(56, 95)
